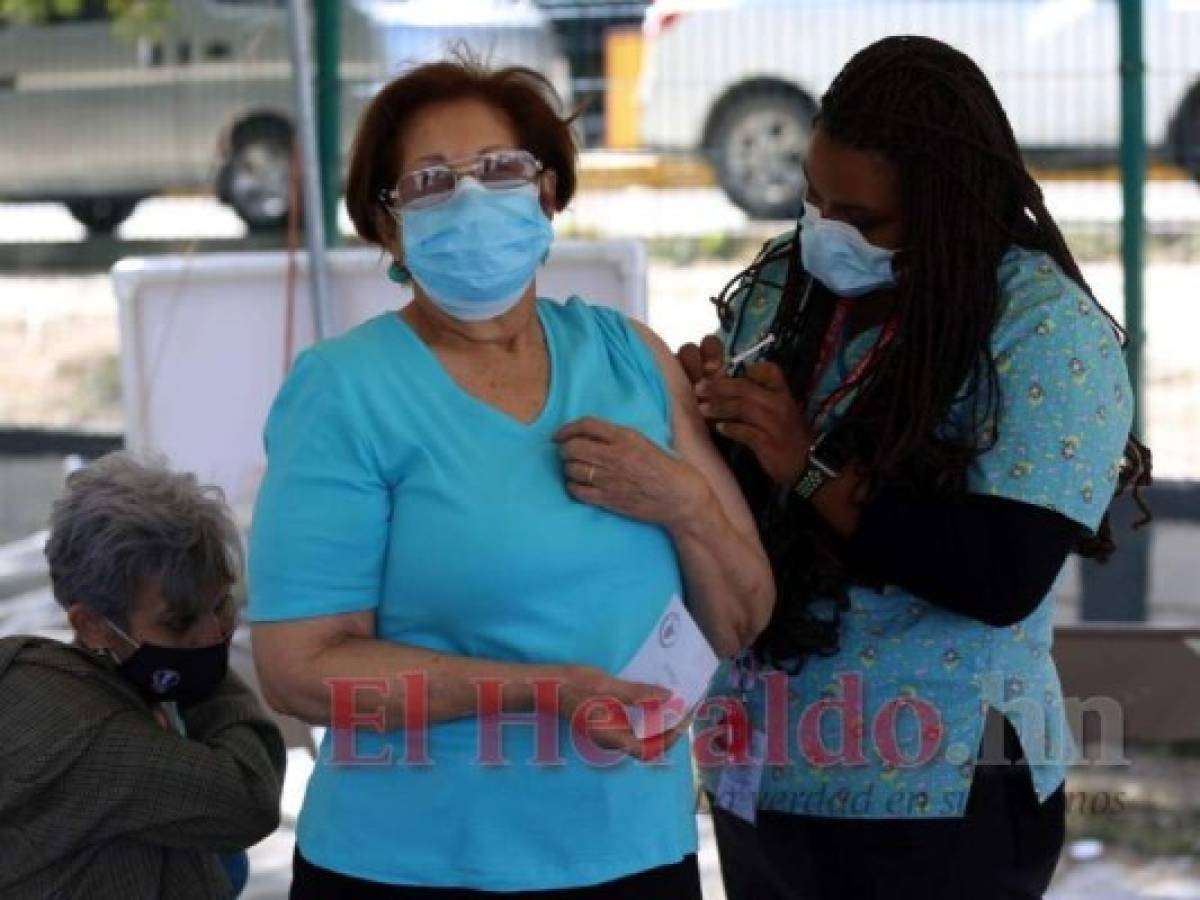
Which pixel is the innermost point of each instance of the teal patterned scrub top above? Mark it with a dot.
(926, 677)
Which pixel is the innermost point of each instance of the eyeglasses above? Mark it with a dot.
(496, 170)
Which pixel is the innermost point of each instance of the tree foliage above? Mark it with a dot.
(132, 18)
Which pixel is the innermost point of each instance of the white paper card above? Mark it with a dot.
(677, 656)
(737, 789)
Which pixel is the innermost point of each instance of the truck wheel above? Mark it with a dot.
(102, 215)
(256, 179)
(1184, 134)
(758, 147)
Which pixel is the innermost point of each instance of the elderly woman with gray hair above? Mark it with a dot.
(133, 764)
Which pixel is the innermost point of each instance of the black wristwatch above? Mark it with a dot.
(823, 466)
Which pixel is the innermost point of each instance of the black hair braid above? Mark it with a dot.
(801, 550)
(968, 198)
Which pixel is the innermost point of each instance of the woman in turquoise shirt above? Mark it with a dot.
(940, 413)
(487, 495)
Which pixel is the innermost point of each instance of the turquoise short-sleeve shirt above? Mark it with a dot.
(389, 488)
(917, 679)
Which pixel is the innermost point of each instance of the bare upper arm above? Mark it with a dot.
(692, 438)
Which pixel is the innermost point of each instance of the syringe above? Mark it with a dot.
(732, 365)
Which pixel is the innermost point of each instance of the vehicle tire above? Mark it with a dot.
(102, 215)
(256, 178)
(758, 147)
(1184, 134)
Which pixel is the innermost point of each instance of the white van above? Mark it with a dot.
(98, 121)
(739, 80)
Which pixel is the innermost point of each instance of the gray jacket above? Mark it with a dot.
(100, 802)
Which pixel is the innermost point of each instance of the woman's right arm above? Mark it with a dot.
(300, 661)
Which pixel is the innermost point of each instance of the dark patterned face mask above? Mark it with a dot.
(180, 674)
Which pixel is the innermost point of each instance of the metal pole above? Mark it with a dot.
(329, 39)
(1133, 186)
(306, 130)
(1117, 592)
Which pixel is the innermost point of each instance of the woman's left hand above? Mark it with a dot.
(758, 410)
(621, 470)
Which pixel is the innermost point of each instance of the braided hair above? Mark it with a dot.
(967, 198)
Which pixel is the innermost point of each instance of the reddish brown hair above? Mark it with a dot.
(523, 95)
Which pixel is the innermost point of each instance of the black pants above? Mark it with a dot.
(678, 881)
(1006, 847)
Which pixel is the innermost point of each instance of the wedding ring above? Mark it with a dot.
(591, 478)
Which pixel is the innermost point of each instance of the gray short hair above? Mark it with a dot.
(124, 522)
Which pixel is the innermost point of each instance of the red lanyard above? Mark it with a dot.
(829, 349)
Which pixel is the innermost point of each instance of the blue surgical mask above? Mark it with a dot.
(837, 255)
(475, 254)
